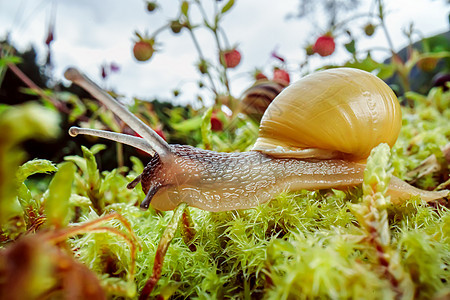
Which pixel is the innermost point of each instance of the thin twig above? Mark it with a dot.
(202, 57)
(60, 106)
(25, 79)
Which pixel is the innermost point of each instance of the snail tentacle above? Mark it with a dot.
(126, 139)
(294, 150)
(148, 198)
(134, 183)
(153, 139)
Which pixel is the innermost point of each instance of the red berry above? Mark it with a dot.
(143, 50)
(216, 124)
(230, 58)
(158, 131)
(324, 45)
(281, 76)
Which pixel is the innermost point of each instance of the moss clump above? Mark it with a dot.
(319, 244)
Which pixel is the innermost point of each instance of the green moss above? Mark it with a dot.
(310, 244)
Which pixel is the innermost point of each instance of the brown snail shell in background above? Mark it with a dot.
(258, 97)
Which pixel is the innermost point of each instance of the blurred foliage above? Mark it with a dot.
(79, 233)
(17, 124)
(331, 8)
(299, 245)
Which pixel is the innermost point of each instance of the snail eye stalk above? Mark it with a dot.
(153, 139)
(126, 139)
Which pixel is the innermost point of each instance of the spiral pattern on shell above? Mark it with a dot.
(336, 113)
(258, 97)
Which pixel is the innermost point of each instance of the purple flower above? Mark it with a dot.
(114, 67)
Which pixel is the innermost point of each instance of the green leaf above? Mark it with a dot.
(97, 148)
(59, 192)
(138, 166)
(138, 35)
(10, 60)
(4, 107)
(188, 125)
(91, 167)
(78, 107)
(442, 54)
(187, 230)
(351, 47)
(416, 97)
(385, 71)
(185, 8)
(206, 128)
(367, 64)
(30, 120)
(29, 91)
(79, 161)
(109, 119)
(33, 167)
(227, 6)
(81, 201)
(93, 181)
(27, 169)
(18, 123)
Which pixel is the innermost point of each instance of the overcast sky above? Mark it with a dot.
(91, 32)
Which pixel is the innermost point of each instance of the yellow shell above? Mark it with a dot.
(337, 113)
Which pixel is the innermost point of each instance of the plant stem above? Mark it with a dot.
(187, 230)
(164, 243)
(202, 57)
(225, 38)
(348, 20)
(203, 13)
(25, 79)
(383, 25)
(119, 150)
(222, 62)
(214, 29)
(401, 70)
(157, 31)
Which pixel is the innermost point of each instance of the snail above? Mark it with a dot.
(316, 134)
(258, 97)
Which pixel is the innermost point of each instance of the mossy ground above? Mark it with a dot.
(310, 244)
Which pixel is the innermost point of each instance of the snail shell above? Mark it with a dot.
(338, 113)
(258, 97)
(332, 119)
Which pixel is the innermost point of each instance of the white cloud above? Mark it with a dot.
(89, 33)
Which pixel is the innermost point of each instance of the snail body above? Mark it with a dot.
(285, 157)
(216, 181)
